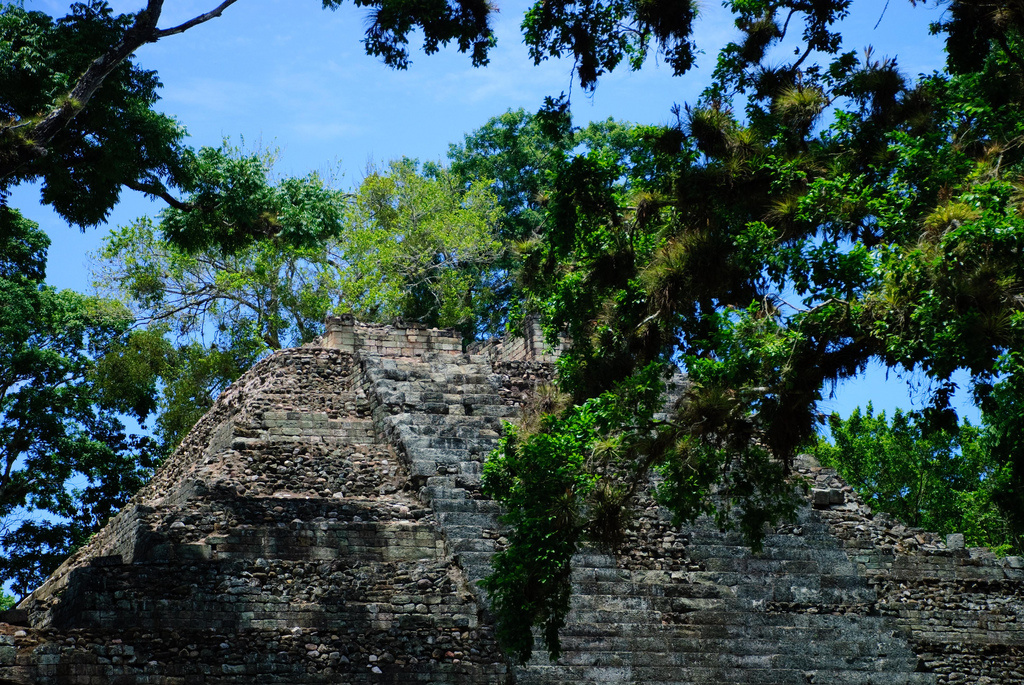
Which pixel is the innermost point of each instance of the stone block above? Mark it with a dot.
(823, 498)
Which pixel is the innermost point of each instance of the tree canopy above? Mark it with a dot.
(411, 243)
(805, 216)
(79, 115)
(63, 448)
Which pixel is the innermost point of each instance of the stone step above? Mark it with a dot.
(468, 447)
(442, 482)
(617, 588)
(594, 560)
(474, 558)
(639, 616)
(477, 573)
(425, 469)
(471, 480)
(692, 607)
(698, 551)
(498, 410)
(476, 563)
(446, 492)
(472, 545)
(471, 470)
(610, 574)
(726, 659)
(735, 578)
(471, 387)
(422, 423)
(751, 627)
(589, 602)
(774, 566)
(466, 518)
(471, 505)
(483, 428)
(729, 626)
(452, 394)
(703, 534)
(825, 661)
(475, 376)
(438, 456)
(671, 675)
(665, 674)
(642, 639)
(446, 443)
(451, 370)
(856, 678)
(476, 431)
(463, 532)
(777, 590)
(825, 625)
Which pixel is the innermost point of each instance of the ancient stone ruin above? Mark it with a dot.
(323, 523)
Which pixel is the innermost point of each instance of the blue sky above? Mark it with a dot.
(287, 74)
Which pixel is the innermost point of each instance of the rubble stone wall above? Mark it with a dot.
(962, 608)
(324, 523)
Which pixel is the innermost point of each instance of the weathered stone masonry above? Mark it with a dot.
(324, 524)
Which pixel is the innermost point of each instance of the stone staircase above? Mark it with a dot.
(797, 613)
(445, 413)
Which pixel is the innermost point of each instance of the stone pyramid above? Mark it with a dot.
(323, 523)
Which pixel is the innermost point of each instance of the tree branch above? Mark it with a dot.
(157, 189)
(33, 145)
(201, 19)
(796, 65)
(137, 35)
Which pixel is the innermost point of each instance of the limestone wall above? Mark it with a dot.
(530, 346)
(281, 543)
(962, 609)
(324, 523)
(402, 339)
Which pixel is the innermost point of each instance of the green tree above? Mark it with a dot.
(514, 151)
(77, 113)
(83, 155)
(808, 214)
(422, 246)
(255, 296)
(941, 481)
(66, 462)
(406, 244)
(518, 152)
